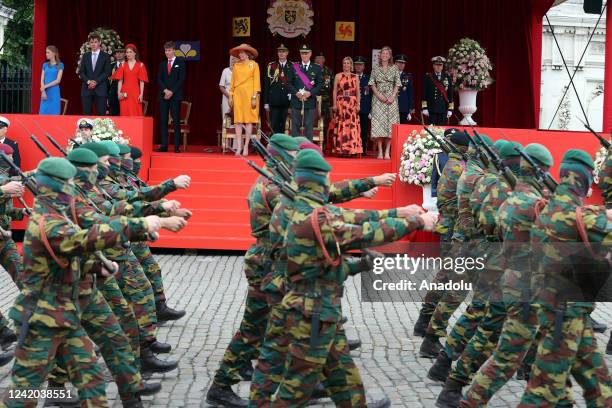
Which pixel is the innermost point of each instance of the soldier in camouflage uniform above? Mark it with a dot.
(315, 284)
(568, 343)
(605, 185)
(47, 311)
(447, 207)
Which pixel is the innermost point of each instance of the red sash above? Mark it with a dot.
(438, 85)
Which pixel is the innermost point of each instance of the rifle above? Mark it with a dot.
(27, 182)
(603, 141)
(285, 188)
(57, 145)
(544, 178)
(445, 145)
(40, 146)
(263, 135)
(279, 168)
(498, 162)
(482, 156)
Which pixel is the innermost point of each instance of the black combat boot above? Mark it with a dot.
(6, 357)
(7, 337)
(440, 369)
(383, 403)
(609, 346)
(149, 389)
(450, 395)
(166, 313)
(132, 402)
(224, 396)
(420, 327)
(66, 402)
(160, 348)
(246, 371)
(150, 363)
(353, 344)
(430, 348)
(598, 326)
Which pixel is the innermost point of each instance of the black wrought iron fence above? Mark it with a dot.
(15, 89)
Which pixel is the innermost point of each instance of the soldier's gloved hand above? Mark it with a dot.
(153, 224)
(183, 212)
(173, 223)
(12, 188)
(409, 211)
(385, 179)
(106, 273)
(182, 182)
(425, 112)
(429, 220)
(370, 193)
(267, 107)
(171, 206)
(449, 114)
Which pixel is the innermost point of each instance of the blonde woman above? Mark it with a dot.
(346, 100)
(50, 79)
(385, 83)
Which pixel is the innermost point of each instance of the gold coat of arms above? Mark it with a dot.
(290, 18)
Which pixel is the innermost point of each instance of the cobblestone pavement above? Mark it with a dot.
(212, 290)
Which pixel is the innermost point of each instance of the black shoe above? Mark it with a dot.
(383, 403)
(165, 313)
(150, 363)
(597, 326)
(450, 395)
(6, 357)
(160, 348)
(132, 402)
(353, 344)
(430, 348)
(343, 320)
(420, 327)
(149, 389)
(319, 392)
(161, 149)
(246, 371)
(224, 396)
(7, 337)
(441, 368)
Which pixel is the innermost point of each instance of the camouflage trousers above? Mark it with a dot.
(464, 328)
(575, 351)
(104, 329)
(124, 313)
(151, 269)
(246, 342)
(10, 259)
(137, 290)
(431, 299)
(35, 358)
(309, 358)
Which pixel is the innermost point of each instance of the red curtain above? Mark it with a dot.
(416, 28)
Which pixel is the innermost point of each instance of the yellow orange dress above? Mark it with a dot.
(245, 83)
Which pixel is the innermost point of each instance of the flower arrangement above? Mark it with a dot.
(600, 161)
(110, 41)
(469, 65)
(103, 129)
(416, 165)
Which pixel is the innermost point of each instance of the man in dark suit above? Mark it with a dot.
(94, 72)
(366, 100)
(304, 84)
(4, 126)
(170, 77)
(113, 98)
(276, 95)
(405, 95)
(437, 104)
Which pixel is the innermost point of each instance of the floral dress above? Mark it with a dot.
(383, 115)
(347, 132)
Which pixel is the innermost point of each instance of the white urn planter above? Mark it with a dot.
(429, 203)
(467, 106)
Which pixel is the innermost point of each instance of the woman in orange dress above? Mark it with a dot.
(244, 94)
(132, 75)
(346, 99)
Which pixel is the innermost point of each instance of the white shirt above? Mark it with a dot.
(94, 57)
(306, 66)
(225, 81)
(171, 61)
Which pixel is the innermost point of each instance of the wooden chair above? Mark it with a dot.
(63, 105)
(184, 121)
(317, 128)
(228, 132)
(145, 107)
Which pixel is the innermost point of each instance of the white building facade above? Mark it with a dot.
(6, 14)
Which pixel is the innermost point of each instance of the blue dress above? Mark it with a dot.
(52, 105)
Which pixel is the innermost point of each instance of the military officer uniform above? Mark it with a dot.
(366, 103)
(113, 97)
(276, 94)
(437, 104)
(308, 77)
(327, 75)
(405, 97)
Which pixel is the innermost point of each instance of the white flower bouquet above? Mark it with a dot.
(104, 129)
(110, 41)
(469, 65)
(418, 153)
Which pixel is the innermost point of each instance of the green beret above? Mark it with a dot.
(285, 142)
(507, 150)
(301, 139)
(124, 149)
(57, 167)
(579, 156)
(97, 148)
(82, 157)
(499, 143)
(113, 148)
(540, 153)
(309, 159)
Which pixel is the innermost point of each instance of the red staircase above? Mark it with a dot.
(218, 195)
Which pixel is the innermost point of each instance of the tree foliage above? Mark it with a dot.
(17, 49)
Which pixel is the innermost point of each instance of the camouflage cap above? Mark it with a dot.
(579, 156)
(113, 148)
(507, 150)
(57, 167)
(124, 149)
(311, 160)
(283, 141)
(82, 157)
(135, 152)
(540, 153)
(96, 147)
(6, 148)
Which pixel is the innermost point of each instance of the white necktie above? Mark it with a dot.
(94, 59)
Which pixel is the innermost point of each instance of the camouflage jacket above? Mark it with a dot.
(314, 271)
(447, 193)
(118, 191)
(486, 218)
(7, 211)
(50, 281)
(464, 227)
(605, 180)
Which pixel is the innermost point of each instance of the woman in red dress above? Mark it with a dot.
(132, 75)
(347, 132)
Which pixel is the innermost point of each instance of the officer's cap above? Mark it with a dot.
(85, 123)
(438, 60)
(305, 48)
(4, 122)
(359, 60)
(400, 58)
(282, 47)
